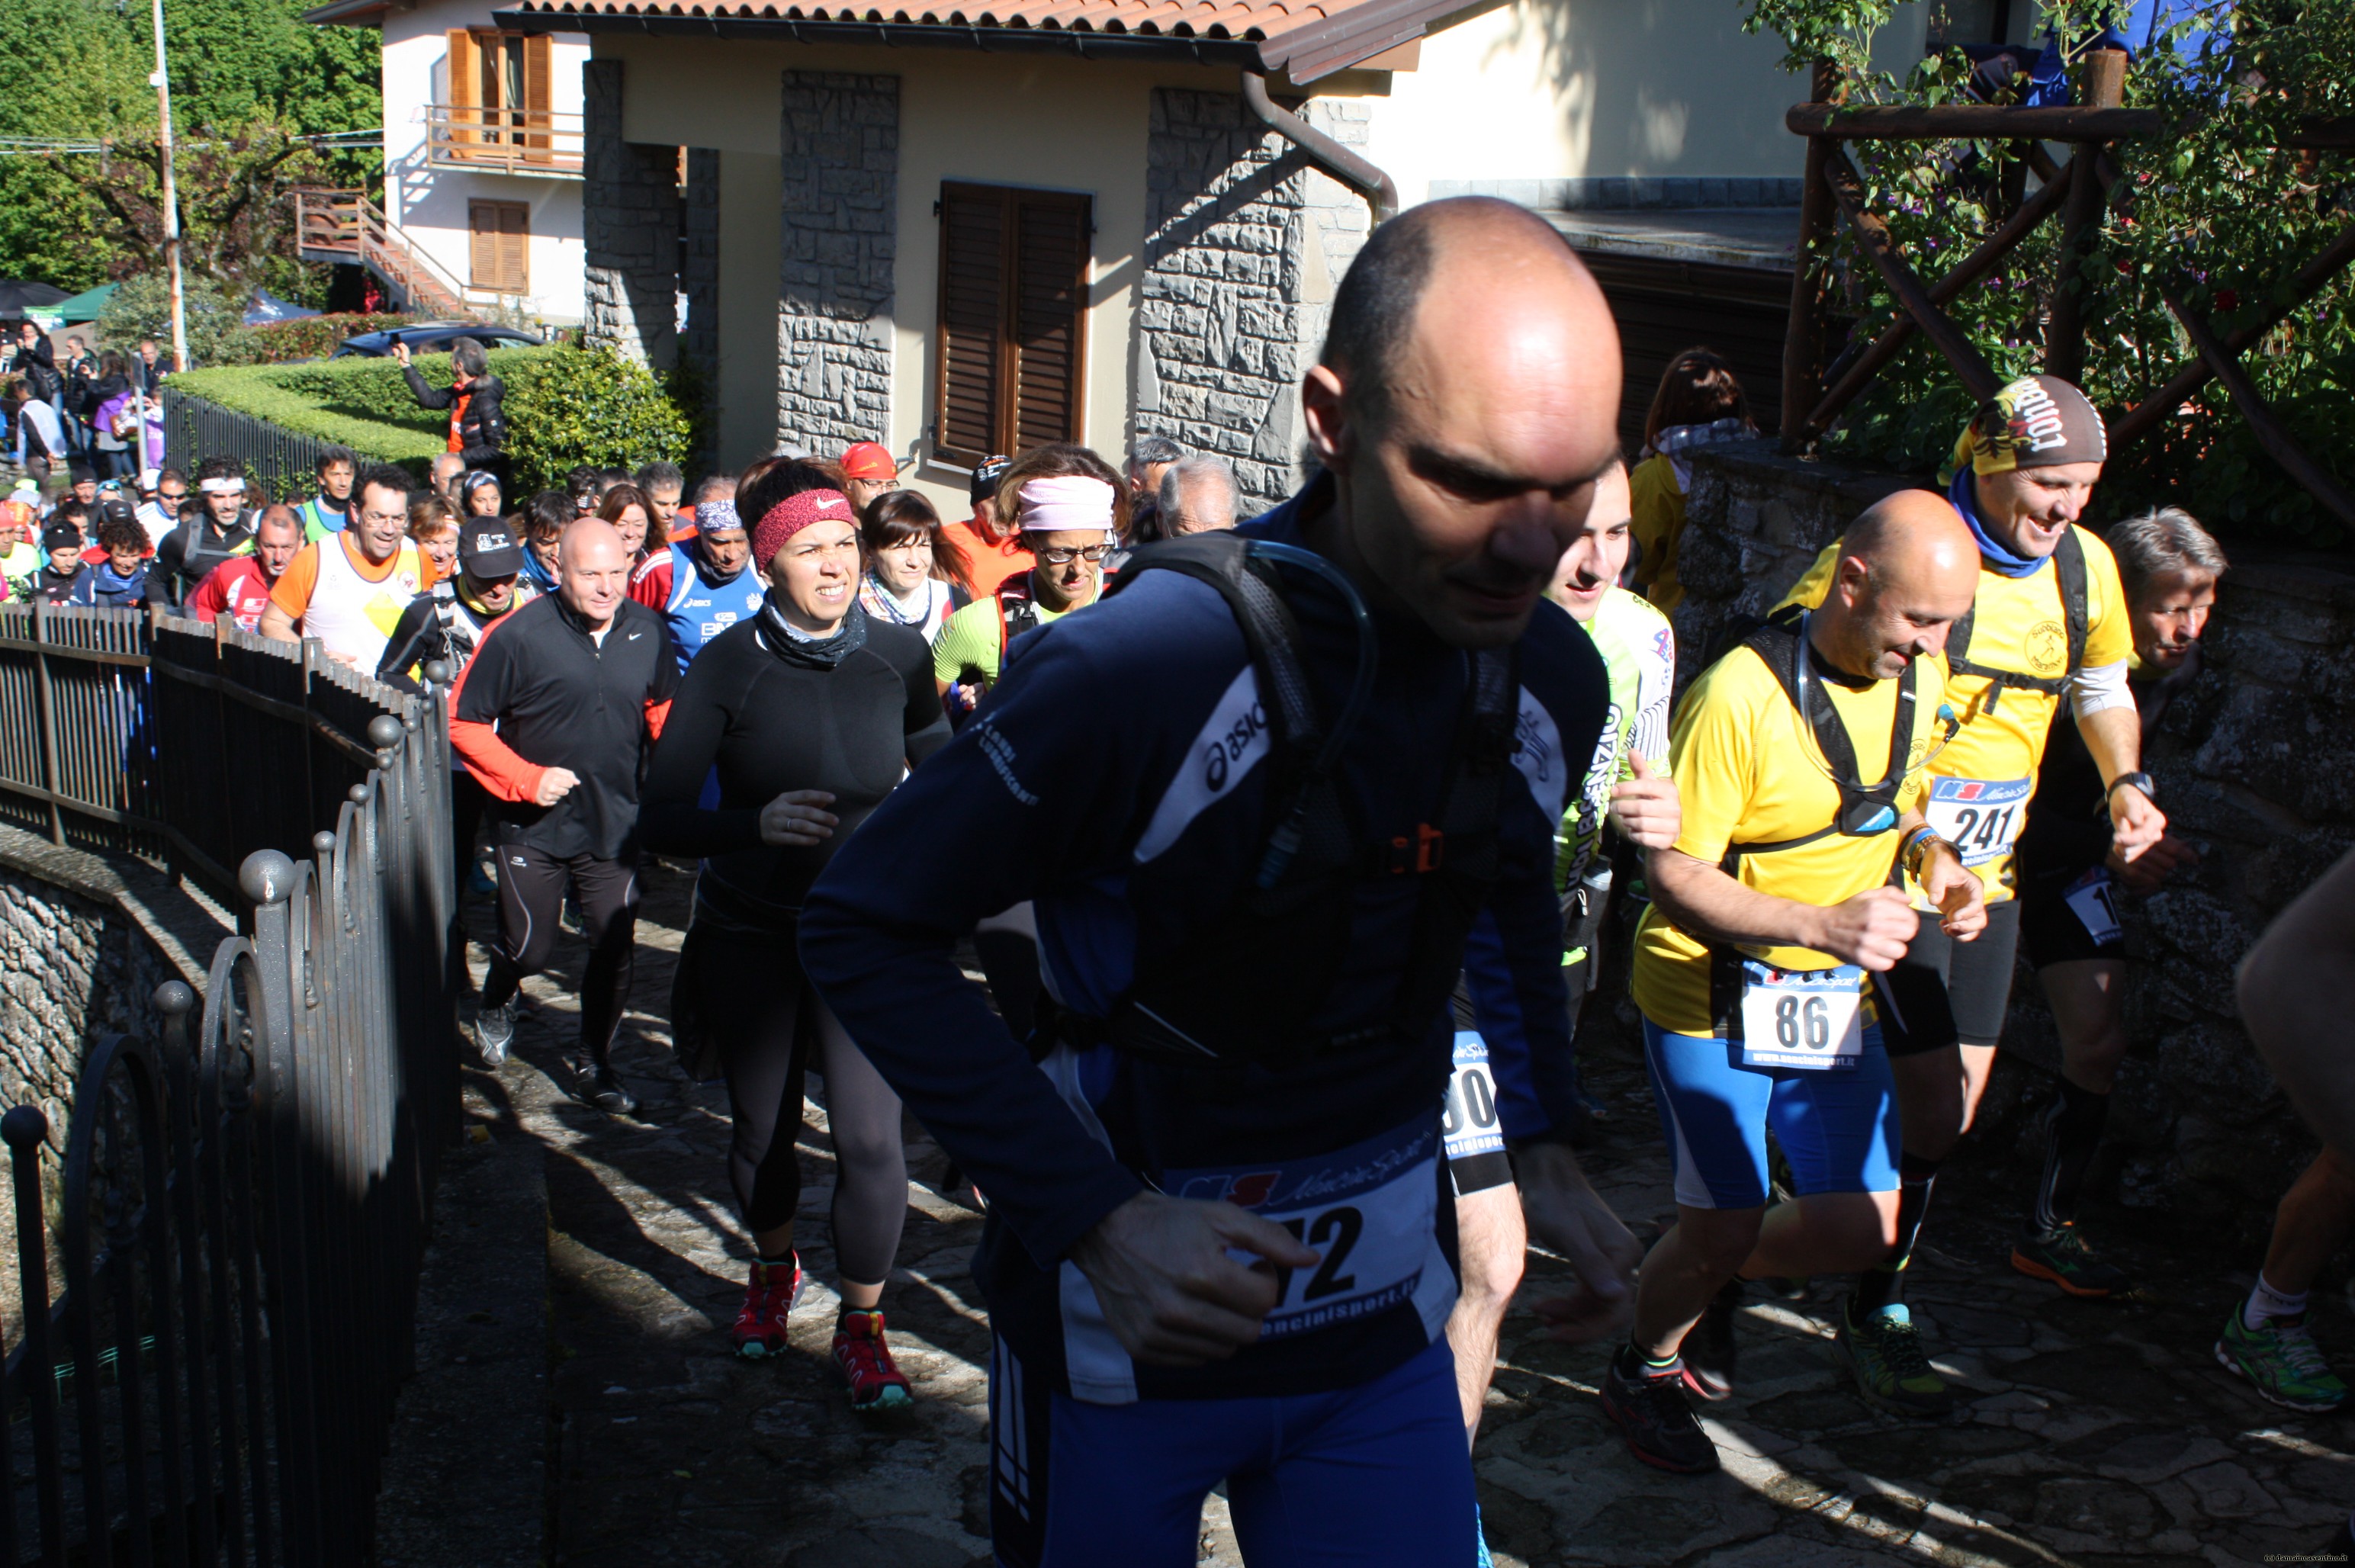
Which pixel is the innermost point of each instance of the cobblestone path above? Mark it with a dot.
(2095, 1434)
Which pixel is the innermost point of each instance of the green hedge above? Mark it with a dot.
(564, 407)
(304, 337)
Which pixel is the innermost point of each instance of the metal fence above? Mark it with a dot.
(196, 427)
(243, 1203)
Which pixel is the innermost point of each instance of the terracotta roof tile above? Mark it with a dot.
(1311, 38)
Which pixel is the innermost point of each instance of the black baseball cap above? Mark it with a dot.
(488, 547)
(115, 509)
(986, 475)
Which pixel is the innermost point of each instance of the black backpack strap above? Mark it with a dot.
(2069, 566)
(2069, 561)
(1463, 861)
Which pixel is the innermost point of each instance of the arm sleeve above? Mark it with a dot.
(992, 819)
(1656, 683)
(207, 604)
(671, 819)
(2098, 688)
(925, 723)
(409, 646)
(476, 702)
(435, 397)
(293, 590)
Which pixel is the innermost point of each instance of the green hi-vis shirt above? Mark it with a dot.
(1639, 650)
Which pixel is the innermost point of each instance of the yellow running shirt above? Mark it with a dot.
(1748, 772)
(1659, 507)
(1982, 778)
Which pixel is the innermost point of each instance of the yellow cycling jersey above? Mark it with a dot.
(1749, 771)
(1982, 778)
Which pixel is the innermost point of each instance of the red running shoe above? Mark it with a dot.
(866, 1362)
(761, 1322)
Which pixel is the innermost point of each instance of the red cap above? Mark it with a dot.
(791, 515)
(867, 460)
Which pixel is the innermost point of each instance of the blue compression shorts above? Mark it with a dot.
(1838, 1128)
(1373, 1474)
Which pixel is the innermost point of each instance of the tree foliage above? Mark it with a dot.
(2219, 215)
(248, 81)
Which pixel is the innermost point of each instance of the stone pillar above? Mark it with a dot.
(839, 194)
(630, 226)
(1243, 245)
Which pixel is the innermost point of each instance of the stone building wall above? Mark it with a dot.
(630, 226)
(2257, 766)
(1244, 243)
(840, 142)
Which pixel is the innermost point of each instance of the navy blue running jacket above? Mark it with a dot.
(1116, 778)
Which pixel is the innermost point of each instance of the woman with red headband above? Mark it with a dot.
(811, 711)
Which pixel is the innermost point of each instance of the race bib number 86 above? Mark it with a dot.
(1810, 1018)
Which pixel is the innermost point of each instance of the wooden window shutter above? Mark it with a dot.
(466, 65)
(1050, 318)
(515, 248)
(482, 244)
(1013, 319)
(539, 99)
(971, 399)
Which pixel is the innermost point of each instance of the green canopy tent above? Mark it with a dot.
(83, 306)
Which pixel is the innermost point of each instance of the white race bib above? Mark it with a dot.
(2094, 898)
(1368, 1210)
(1981, 817)
(1811, 1019)
(1469, 1126)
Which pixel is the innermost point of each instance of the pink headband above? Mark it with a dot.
(791, 516)
(1070, 501)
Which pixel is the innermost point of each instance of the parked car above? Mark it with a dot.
(432, 338)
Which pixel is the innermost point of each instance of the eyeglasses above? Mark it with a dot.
(1093, 553)
(171, 494)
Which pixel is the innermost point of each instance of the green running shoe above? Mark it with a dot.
(2063, 1257)
(1884, 1351)
(2281, 1361)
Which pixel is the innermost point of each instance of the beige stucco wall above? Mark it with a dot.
(1054, 123)
(1565, 89)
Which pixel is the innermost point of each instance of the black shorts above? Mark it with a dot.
(1943, 992)
(2066, 918)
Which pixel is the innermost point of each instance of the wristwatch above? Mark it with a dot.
(1917, 850)
(2139, 779)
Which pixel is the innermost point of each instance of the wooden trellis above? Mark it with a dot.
(2078, 189)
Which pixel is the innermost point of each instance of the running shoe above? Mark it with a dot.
(2063, 1257)
(2281, 1361)
(865, 1360)
(494, 1033)
(1709, 1350)
(760, 1328)
(1884, 1351)
(600, 1086)
(1660, 1428)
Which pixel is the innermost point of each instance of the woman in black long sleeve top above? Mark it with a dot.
(810, 713)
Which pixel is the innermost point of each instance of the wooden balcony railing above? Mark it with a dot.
(535, 142)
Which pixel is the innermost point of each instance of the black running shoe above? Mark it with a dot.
(1660, 1428)
(1709, 1350)
(600, 1086)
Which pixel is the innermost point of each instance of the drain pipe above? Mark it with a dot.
(1324, 152)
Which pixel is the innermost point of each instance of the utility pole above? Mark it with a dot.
(163, 86)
